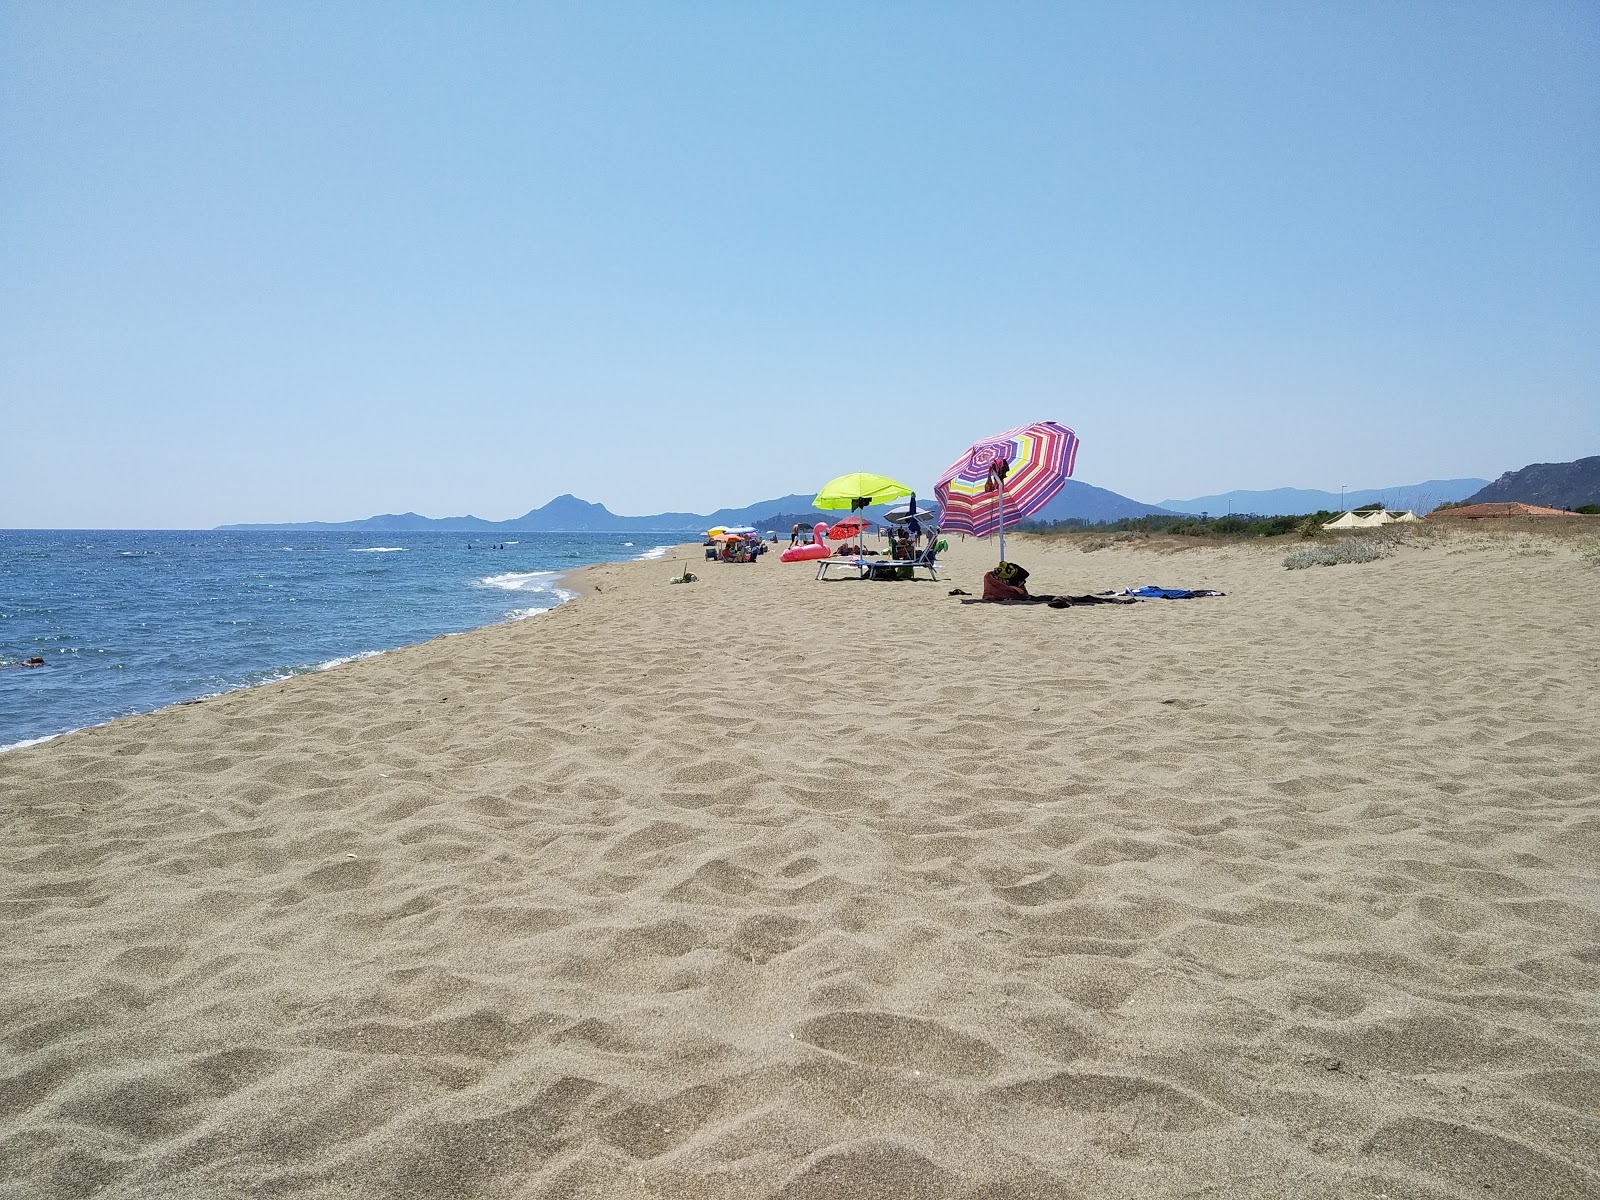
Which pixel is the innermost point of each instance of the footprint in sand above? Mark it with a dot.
(881, 1169)
(1170, 1109)
(1475, 1159)
(883, 1039)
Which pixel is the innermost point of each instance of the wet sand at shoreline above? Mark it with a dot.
(764, 887)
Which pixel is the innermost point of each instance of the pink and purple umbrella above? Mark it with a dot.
(1005, 479)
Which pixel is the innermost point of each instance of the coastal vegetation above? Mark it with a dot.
(1232, 526)
(1331, 554)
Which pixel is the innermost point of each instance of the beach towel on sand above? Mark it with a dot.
(1151, 592)
(1007, 584)
(1055, 601)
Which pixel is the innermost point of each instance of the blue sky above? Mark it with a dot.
(286, 261)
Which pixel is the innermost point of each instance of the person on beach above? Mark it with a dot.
(794, 536)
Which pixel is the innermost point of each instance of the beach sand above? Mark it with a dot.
(765, 887)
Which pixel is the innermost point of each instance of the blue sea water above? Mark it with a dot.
(130, 621)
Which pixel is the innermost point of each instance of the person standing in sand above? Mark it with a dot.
(794, 536)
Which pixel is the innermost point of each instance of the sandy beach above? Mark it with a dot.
(764, 887)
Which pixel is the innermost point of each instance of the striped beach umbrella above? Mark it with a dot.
(1005, 479)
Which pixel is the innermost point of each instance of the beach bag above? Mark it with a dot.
(1013, 573)
(995, 588)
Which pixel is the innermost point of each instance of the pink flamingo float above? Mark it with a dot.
(817, 549)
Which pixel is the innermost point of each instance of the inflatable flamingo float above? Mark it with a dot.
(817, 549)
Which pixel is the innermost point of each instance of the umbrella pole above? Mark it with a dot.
(1002, 486)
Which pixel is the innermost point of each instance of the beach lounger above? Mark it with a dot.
(926, 561)
(869, 568)
(892, 569)
(858, 565)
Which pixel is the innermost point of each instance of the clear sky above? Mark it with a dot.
(288, 261)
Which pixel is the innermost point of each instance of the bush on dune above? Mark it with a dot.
(1331, 555)
(1233, 526)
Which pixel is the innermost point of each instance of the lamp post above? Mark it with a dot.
(1342, 487)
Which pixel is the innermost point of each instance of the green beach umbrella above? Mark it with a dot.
(859, 490)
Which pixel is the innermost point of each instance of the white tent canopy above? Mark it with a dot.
(1368, 520)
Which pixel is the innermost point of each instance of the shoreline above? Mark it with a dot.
(566, 595)
(583, 581)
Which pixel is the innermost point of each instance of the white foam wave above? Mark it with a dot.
(26, 742)
(542, 583)
(652, 554)
(522, 614)
(377, 550)
(348, 658)
(520, 581)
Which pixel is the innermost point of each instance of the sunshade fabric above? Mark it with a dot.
(848, 491)
(1038, 458)
(847, 528)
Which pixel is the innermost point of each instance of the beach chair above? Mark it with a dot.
(873, 568)
(858, 565)
(926, 561)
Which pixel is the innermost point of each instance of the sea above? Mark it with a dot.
(131, 621)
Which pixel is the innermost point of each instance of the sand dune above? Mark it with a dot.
(764, 887)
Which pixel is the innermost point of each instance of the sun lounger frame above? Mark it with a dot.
(864, 566)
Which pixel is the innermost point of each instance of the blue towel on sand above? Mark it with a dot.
(1151, 592)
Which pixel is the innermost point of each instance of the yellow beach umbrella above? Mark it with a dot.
(860, 489)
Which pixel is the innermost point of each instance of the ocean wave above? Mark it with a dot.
(522, 614)
(348, 658)
(652, 554)
(520, 581)
(542, 583)
(377, 550)
(26, 742)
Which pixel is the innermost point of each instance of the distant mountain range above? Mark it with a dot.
(568, 514)
(1084, 502)
(1554, 485)
(1279, 502)
(1075, 501)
